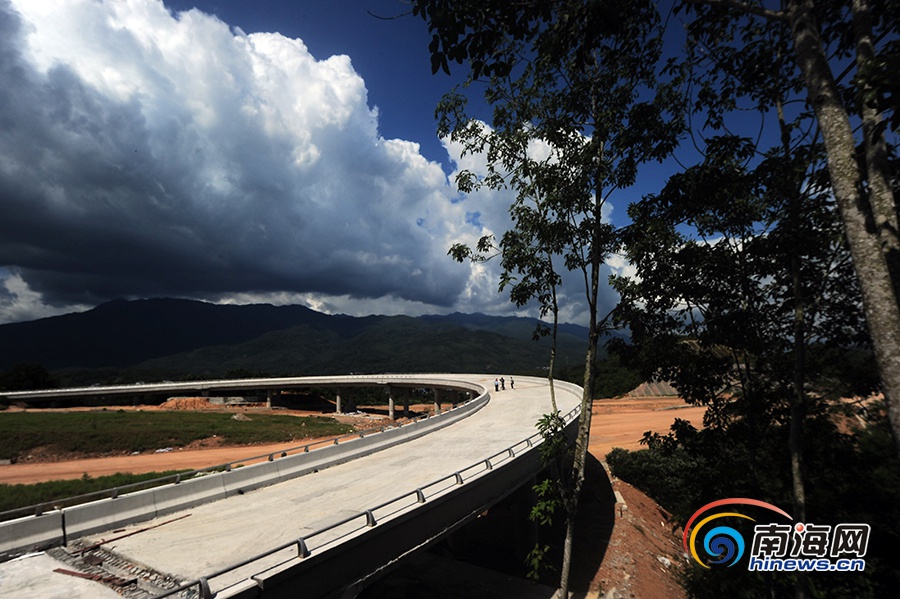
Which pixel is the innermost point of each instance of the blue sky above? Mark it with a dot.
(232, 151)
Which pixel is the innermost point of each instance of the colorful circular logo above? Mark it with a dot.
(723, 544)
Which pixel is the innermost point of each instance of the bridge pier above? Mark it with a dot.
(337, 401)
(437, 400)
(390, 393)
(527, 531)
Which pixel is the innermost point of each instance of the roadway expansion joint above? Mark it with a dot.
(132, 581)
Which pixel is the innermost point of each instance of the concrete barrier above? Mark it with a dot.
(301, 464)
(31, 533)
(106, 514)
(246, 589)
(247, 478)
(190, 493)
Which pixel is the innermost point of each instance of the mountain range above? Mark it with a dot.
(180, 338)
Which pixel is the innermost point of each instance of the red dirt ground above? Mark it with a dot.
(644, 555)
(622, 422)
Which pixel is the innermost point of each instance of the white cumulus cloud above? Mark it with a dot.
(151, 153)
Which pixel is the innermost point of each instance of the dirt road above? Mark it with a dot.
(188, 459)
(622, 422)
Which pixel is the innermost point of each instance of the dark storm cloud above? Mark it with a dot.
(144, 153)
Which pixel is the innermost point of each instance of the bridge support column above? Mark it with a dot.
(337, 401)
(526, 530)
(457, 542)
(390, 393)
(269, 394)
(437, 400)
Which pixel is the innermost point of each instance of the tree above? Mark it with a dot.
(753, 73)
(526, 255)
(578, 80)
(739, 64)
(26, 377)
(746, 307)
(859, 170)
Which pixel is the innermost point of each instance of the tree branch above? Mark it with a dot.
(774, 15)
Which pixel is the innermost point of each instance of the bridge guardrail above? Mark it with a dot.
(228, 384)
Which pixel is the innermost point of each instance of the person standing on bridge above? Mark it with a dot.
(496, 385)
(502, 384)
(512, 383)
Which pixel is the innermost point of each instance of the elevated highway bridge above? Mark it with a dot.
(319, 524)
(269, 388)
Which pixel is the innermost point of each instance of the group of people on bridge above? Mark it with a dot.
(500, 384)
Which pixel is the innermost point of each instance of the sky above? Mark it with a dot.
(274, 151)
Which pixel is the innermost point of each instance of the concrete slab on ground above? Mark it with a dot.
(33, 575)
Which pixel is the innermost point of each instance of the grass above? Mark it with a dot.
(104, 432)
(17, 496)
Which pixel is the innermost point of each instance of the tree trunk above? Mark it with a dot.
(555, 335)
(563, 592)
(879, 297)
(581, 451)
(587, 397)
(881, 195)
(792, 190)
(798, 413)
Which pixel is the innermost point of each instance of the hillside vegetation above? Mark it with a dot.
(128, 341)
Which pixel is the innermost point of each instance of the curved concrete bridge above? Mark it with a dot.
(325, 533)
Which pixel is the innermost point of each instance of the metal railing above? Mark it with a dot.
(367, 518)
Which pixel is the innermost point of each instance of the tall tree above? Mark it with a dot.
(577, 107)
(753, 73)
(738, 68)
(747, 308)
(822, 34)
